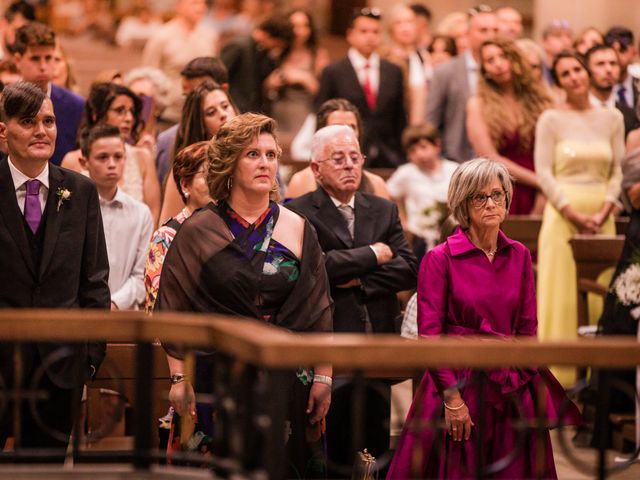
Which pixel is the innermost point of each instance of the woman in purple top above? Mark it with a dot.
(479, 282)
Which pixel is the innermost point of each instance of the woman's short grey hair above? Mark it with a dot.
(322, 136)
(160, 81)
(471, 177)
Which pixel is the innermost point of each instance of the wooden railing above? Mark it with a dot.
(268, 348)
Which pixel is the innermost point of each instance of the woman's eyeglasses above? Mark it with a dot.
(479, 200)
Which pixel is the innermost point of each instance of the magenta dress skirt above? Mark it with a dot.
(429, 452)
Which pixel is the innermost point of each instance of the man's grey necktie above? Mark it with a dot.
(349, 216)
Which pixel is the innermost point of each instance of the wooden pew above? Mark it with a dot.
(593, 254)
(524, 229)
(117, 374)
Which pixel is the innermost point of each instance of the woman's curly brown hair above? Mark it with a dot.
(227, 146)
(530, 94)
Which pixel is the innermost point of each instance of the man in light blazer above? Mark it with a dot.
(368, 261)
(53, 255)
(375, 86)
(454, 82)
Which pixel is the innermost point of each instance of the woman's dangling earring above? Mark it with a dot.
(229, 183)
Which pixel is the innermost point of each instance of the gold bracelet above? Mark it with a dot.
(454, 408)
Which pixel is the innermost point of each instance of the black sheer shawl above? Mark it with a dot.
(206, 270)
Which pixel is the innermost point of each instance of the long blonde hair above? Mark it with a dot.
(530, 94)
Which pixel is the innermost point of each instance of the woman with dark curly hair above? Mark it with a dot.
(118, 106)
(502, 116)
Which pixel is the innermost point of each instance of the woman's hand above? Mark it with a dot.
(319, 401)
(458, 421)
(183, 399)
(583, 223)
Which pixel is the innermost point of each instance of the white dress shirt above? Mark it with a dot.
(127, 230)
(20, 183)
(358, 61)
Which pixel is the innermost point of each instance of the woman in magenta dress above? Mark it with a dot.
(502, 116)
(479, 282)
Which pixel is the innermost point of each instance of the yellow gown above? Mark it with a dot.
(577, 160)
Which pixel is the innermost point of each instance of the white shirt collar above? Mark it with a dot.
(351, 203)
(359, 61)
(608, 103)
(49, 90)
(117, 201)
(19, 178)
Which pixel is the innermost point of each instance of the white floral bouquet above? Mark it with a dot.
(626, 287)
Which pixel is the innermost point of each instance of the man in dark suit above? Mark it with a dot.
(368, 261)
(454, 82)
(627, 90)
(373, 85)
(53, 255)
(34, 49)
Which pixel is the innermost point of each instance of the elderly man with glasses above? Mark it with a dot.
(368, 261)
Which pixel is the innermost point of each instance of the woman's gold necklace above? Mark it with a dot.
(490, 253)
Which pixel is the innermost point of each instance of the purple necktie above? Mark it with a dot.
(32, 208)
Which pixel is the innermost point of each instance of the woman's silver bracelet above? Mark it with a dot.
(327, 380)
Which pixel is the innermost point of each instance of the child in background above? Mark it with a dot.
(420, 186)
(127, 222)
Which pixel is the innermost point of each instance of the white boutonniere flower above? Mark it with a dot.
(63, 195)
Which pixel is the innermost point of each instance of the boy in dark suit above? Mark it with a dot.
(53, 255)
(34, 49)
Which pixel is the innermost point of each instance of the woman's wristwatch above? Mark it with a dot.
(177, 378)
(327, 380)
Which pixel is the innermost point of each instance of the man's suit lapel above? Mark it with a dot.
(385, 87)
(329, 214)
(353, 84)
(365, 219)
(11, 214)
(53, 216)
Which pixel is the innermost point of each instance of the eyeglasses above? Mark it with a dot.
(479, 200)
(370, 12)
(472, 12)
(122, 111)
(340, 160)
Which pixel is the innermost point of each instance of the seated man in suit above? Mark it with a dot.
(34, 48)
(53, 255)
(103, 156)
(375, 86)
(368, 261)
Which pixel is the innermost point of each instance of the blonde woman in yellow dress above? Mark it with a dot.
(577, 159)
